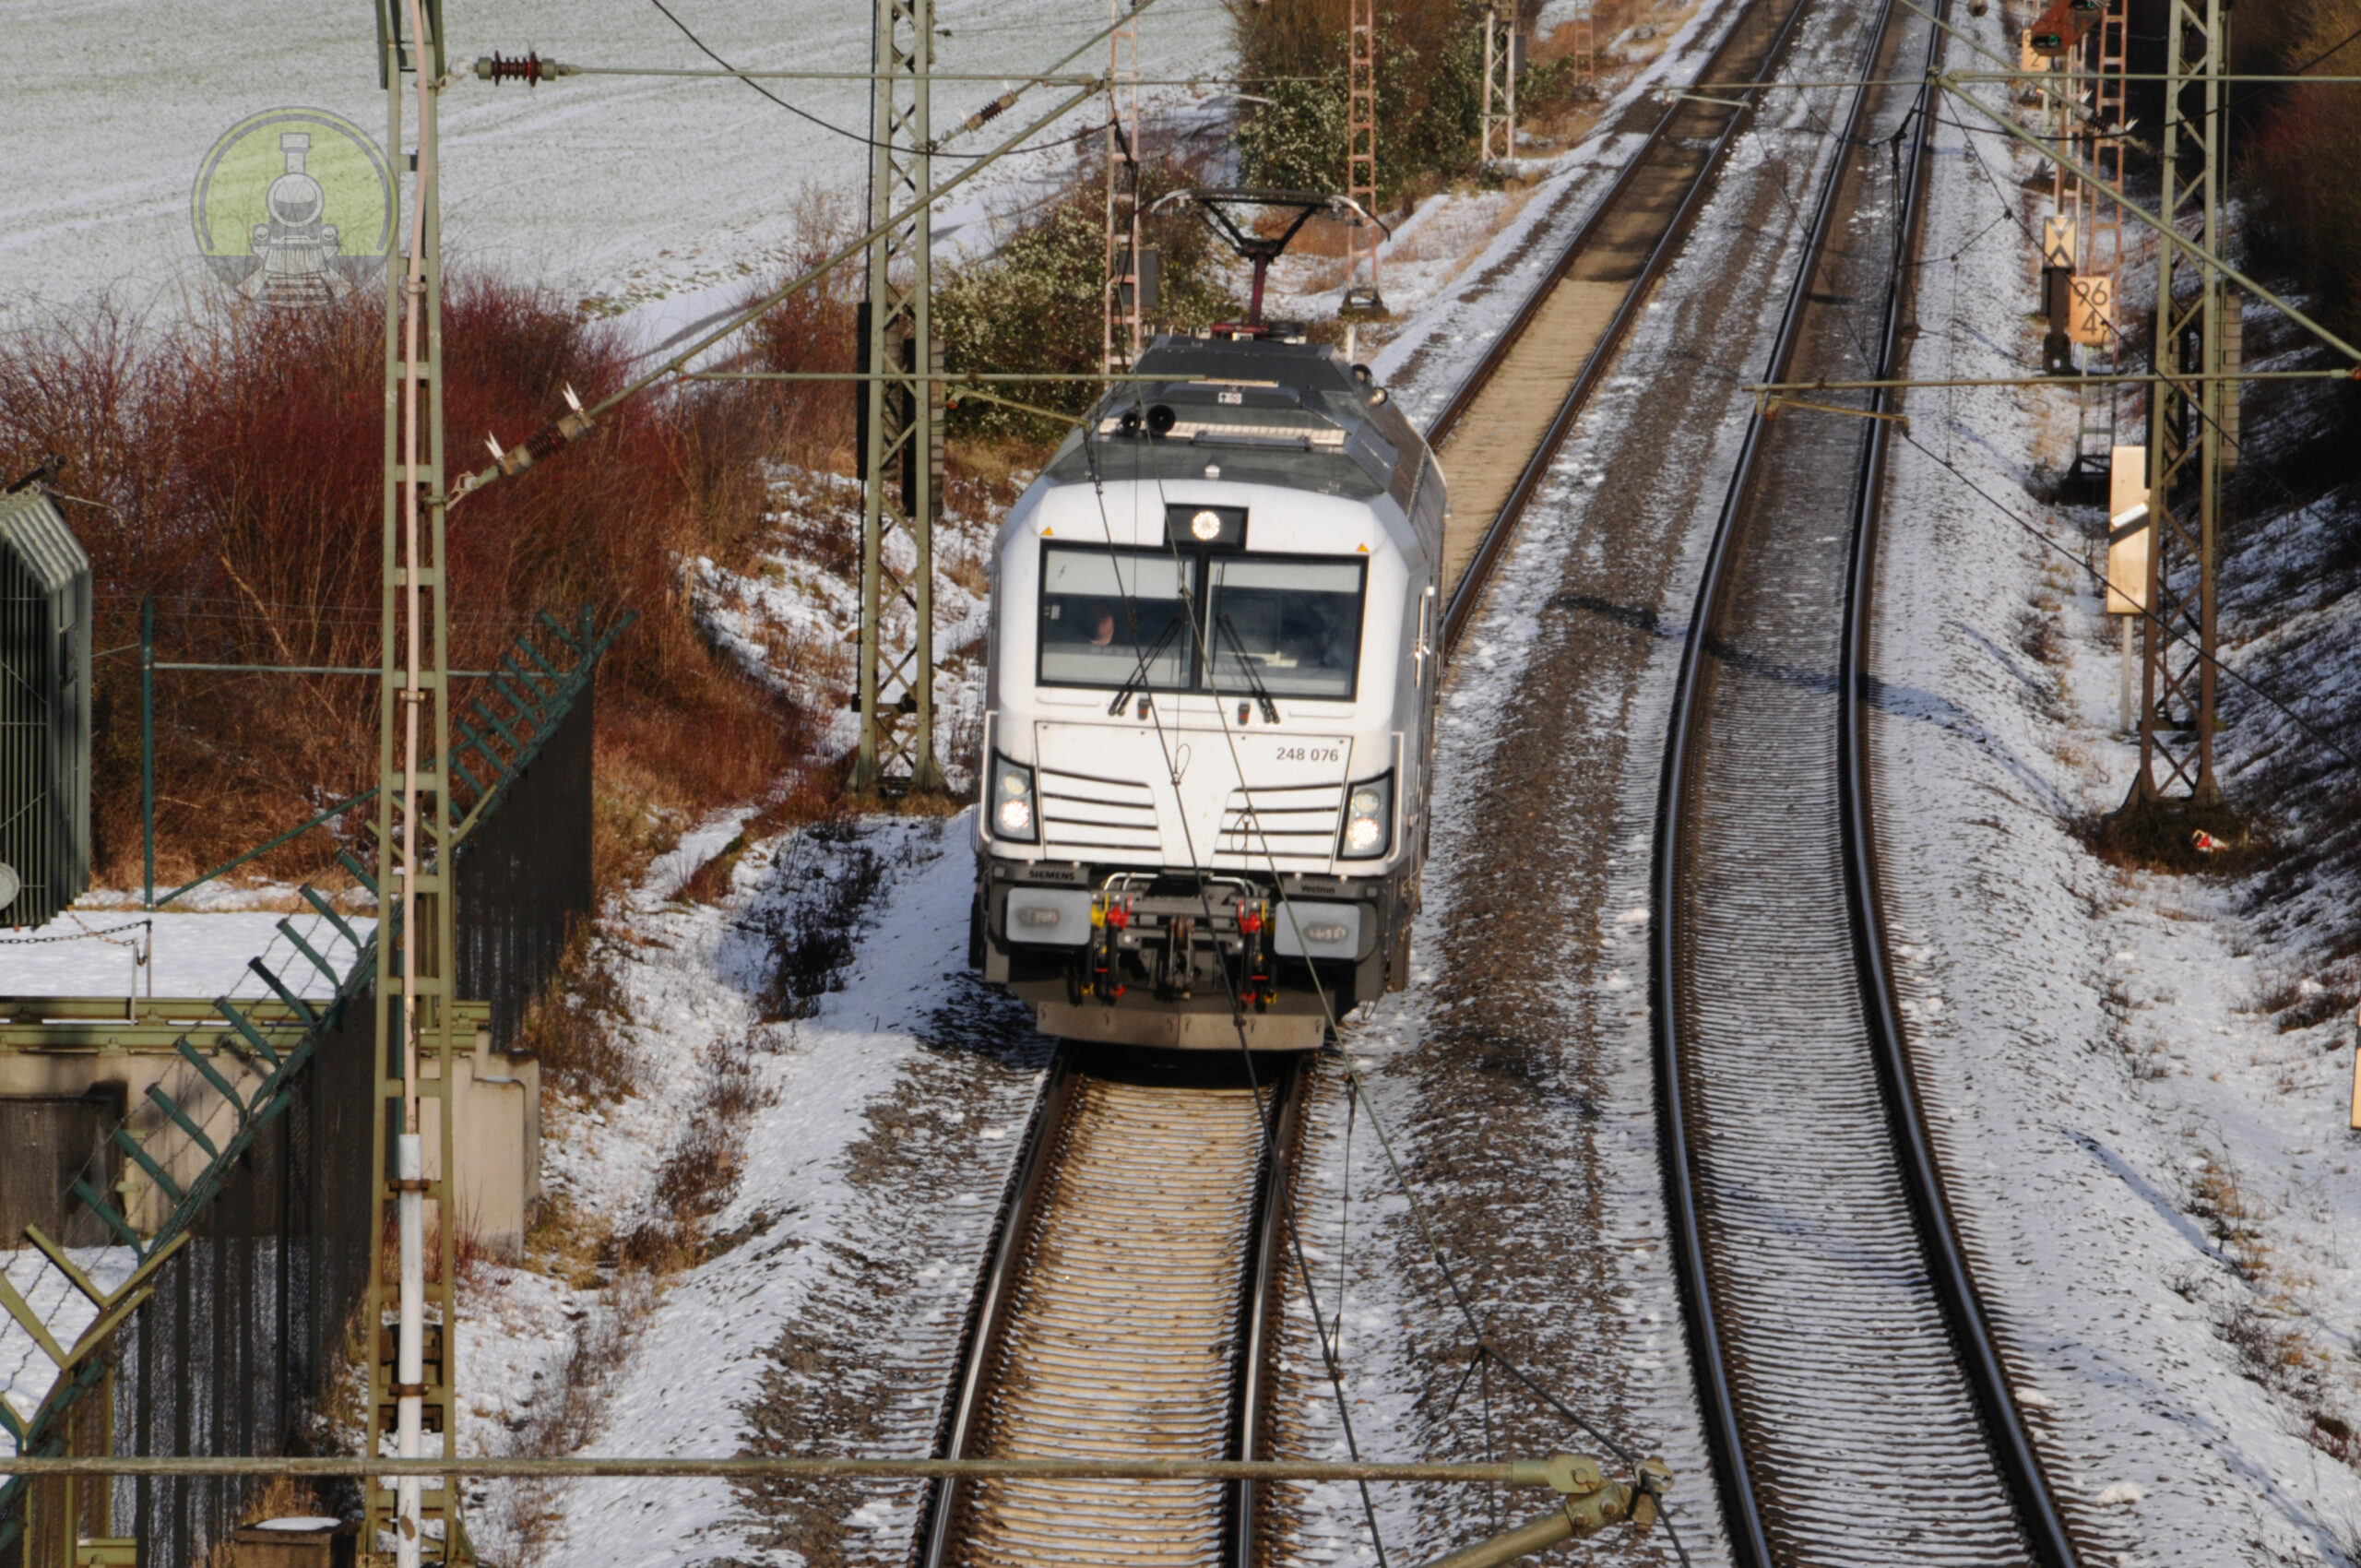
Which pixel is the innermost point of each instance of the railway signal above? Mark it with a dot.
(2057, 293)
(2058, 31)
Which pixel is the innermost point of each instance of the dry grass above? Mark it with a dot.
(2161, 835)
(527, 1512)
(629, 1272)
(702, 1169)
(569, 1025)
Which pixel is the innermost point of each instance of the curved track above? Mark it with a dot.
(1856, 1406)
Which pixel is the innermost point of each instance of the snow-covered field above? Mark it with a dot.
(615, 186)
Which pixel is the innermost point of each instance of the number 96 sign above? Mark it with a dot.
(2092, 321)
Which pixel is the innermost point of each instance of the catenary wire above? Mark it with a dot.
(2267, 695)
(841, 131)
(1485, 1347)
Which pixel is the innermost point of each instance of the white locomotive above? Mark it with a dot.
(1210, 704)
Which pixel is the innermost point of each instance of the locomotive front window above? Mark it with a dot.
(1292, 626)
(1105, 612)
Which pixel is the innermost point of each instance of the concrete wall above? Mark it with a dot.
(64, 1083)
(45, 1142)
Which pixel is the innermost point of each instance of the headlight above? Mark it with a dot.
(1011, 801)
(1369, 820)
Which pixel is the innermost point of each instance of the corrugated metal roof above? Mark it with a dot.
(29, 523)
(45, 708)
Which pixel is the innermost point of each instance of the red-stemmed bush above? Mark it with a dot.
(233, 468)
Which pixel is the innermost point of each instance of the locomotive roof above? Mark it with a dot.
(1262, 413)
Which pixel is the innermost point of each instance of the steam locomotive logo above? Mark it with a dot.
(294, 207)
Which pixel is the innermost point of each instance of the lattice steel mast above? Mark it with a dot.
(1361, 239)
(902, 455)
(1500, 92)
(1124, 298)
(2091, 105)
(2187, 458)
(411, 1357)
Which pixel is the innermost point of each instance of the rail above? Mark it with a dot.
(1466, 594)
(1980, 1362)
(1857, 821)
(1021, 1292)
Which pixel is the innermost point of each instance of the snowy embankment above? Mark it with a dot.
(2154, 1179)
(673, 1363)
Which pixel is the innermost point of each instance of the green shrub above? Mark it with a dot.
(1296, 142)
(1429, 92)
(1033, 305)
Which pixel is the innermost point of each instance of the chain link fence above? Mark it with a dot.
(253, 1340)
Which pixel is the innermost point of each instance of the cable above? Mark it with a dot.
(2151, 616)
(855, 135)
(2294, 499)
(2232, 101)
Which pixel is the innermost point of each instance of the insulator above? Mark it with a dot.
(500, 68)
(990, 111)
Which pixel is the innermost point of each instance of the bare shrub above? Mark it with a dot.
(2299, 159)
(813, 929)
(236, 465)
(703, 1167)
(567, 1024)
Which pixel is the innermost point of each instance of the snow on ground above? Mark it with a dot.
(794, 619)
(691, 1372)
(96, 950)
(2157, 1182)
(622, 188)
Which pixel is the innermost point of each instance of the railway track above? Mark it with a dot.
(1857, 1408)
(1502, 429)
(1124, 1311)
(1130, 1295)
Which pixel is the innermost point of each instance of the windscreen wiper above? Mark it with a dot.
(1139, 671)
(1246, 666)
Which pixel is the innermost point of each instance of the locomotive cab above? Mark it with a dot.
(1209, 705)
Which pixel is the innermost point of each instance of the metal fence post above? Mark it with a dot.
(148, 748)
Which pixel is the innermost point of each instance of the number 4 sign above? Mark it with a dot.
(2092, 321)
